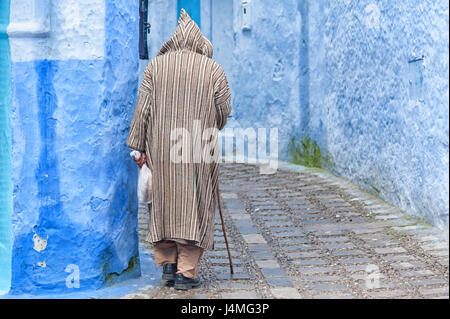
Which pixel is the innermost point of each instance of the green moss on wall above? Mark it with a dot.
(305, 152)
(113, 277)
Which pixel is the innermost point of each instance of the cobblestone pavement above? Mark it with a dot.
(309, 234)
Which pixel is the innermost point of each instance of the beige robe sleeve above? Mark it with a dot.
(139, 125)
(222, 99)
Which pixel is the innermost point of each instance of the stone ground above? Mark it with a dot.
(309, 234)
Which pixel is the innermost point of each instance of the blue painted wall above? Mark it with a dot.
(192, 7)
(5, 150)
(74, 182)
(263, 67)
(382, 118)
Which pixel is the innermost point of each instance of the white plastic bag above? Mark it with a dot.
(144, 181)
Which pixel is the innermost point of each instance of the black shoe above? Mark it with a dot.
(184, 283)
(169, 271)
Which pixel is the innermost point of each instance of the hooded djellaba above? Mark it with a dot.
(183, 100)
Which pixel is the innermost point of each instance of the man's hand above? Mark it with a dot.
(142, 160)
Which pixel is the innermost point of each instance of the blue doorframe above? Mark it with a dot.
(5, 151)
(192, 7)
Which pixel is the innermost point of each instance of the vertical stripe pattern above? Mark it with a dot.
(183, 100)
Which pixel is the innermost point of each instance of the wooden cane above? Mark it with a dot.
(223, 228)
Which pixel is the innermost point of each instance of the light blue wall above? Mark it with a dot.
(382, 120)
(74, 181)
(5, 150)
(264, 68)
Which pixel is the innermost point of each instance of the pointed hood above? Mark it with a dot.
(187, 36)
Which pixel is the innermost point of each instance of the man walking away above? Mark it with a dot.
(183, 92)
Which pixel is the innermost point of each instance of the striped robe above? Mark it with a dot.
(183, 91)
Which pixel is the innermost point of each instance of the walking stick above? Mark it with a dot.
(223, 228)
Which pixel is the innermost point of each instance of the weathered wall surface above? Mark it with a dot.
(5, 151)
(379, 113)
(75, 205)
(264, 69)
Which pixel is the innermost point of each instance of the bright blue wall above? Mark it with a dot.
(379, 130)
(74, 182)
(192, 7)
(5, 150)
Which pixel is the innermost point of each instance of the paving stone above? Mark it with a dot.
(352, 252)
(428, 282)
(381, 244)
(275, 218)
(365, 276)
(284, 229)
(398, 258)
(354, 260)
(273, 272)
(328, 287)
(354, 268)
(283, 223)
(220, 246)
(317, 221)
(365, 230)
(243, 294)
(274, 212)
(316, 270)
(240, 216)
(235, 285)
(405, 265)
(304, 254)
(309, 262)
(333, 239)
(293, 241)
(267, 263)
(228, 276)
(288, 248)
(322, 278)
(252, 230)
(244, 223)
(439, 253)
(434, 291)
(279, 282)
(258, 247)
(267, 208)
(254, 239)
(334, 296)
(390, 250)
(331, 232)
(234, 203)
(417, 273)
(263, 255)
(285, 293)
(226, 269)
(339, 246)
(387, 293)
(368, 285)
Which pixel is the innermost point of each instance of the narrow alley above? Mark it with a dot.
(309, 234)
